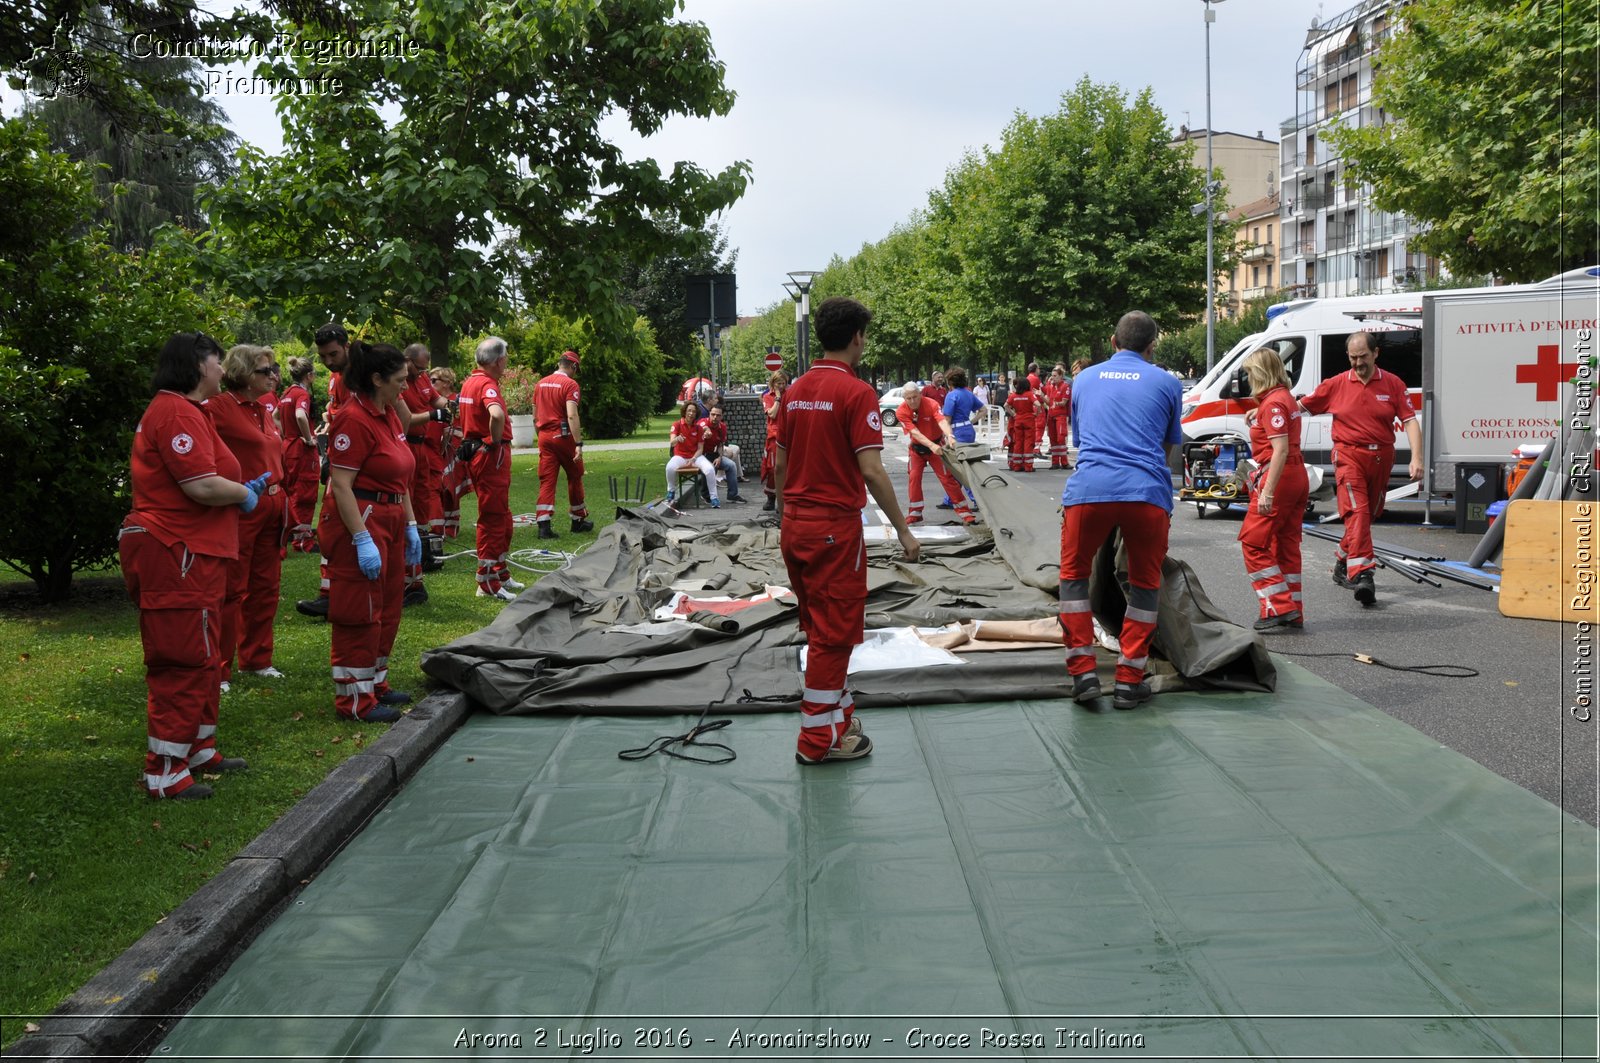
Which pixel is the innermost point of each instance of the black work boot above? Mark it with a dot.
(582, 524)
(547, 532)
(1340, 572)
(1366, 588)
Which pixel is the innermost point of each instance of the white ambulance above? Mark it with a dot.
(1310, 335)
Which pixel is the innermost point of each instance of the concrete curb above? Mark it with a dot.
(119, 1007)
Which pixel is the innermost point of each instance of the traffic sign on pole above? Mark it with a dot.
(774, 361)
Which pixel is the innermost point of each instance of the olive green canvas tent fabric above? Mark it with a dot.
(560, 648)
(1221, 875)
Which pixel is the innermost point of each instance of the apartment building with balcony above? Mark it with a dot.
(1334, 241)
(1256, 246)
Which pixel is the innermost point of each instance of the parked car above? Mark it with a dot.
(889, 403)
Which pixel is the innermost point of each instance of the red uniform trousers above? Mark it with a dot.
(433, 502)
(1271, 544)
(769, 469)
(251, 604)
(557, 454)
(364, 613)
(826, 557)
(1024, 441)
(1058, 425)
(179, 596)
(491, 476)
(947, 480)
(455, 482)
(1144, 533)
(302, 470)
(424, 502)
(1361, 482)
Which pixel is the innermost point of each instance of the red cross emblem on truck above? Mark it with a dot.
(1547, 373)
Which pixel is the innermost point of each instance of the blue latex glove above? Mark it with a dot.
(413, 545)
(256, 487)
(367, 555)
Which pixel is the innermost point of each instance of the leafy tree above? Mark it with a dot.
(80, 327)
(618, 372)
(144, 178)
(1038, 247)
(399, 179)
(88, 50)
(1494, 148)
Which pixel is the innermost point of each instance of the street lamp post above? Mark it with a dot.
(802, 279)
(1211, 214)
(799, 328)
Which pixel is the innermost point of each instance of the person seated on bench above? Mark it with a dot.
(716, 431)
(688, 441)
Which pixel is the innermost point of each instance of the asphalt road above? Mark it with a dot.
(1512, 717)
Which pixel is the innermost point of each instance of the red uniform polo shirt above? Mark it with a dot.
(372, 444)
(768, 401)
(1363, 414)
(479, 393)
(924, 420)
(249, 431)
(936, 393)
(175, 443)
(1021, 402)
(550, 400)
(716, 434)
(338, 394)
(296, 398)
(1278, 415)
(692, 432)
(1057, 397)
(418, 397)
(828, 416)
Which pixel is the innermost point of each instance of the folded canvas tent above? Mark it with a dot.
(584, 639)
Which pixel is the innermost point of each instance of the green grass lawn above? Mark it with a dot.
(87, 862)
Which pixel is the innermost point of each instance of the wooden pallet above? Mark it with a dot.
(1548, 563)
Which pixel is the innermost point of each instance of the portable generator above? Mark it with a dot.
(1216, 471)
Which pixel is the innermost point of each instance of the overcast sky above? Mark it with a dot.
(850, 111)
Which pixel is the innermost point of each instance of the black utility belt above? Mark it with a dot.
(383, 498)
(417, 441)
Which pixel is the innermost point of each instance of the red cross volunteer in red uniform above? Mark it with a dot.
(175, 546)
(250, 607)
(1022, 408)
(829, 455)
(483, 423)
(1270, 534)
(927, 434)
(369, 531)
(1365, 404)
(301, 461)
(422, 407)
(555, 411)
(771, 407)
(333, 347)
(1057, 396)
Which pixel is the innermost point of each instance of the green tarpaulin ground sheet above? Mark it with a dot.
(1213, 875)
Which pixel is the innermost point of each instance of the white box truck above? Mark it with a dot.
(1487, 368)
(1500, 367)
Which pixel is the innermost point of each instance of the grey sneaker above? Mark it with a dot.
(850, 747)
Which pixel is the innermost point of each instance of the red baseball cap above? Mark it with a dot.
(571, 356)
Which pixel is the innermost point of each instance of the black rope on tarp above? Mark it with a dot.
(1438, 671)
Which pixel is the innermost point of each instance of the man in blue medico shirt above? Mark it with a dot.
(1126, 416)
